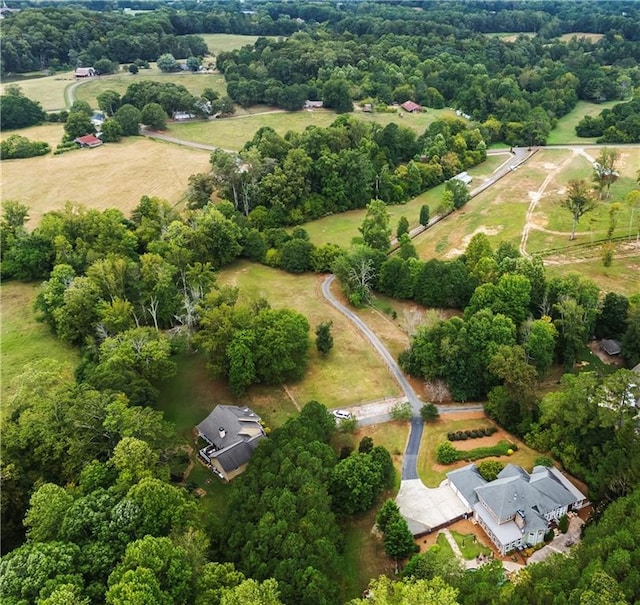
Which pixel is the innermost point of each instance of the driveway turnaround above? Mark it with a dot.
(426, 508)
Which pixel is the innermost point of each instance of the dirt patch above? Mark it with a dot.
(613, 360)
(471, 444)
(467, 238)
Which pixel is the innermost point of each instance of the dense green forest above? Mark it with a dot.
(90, 510)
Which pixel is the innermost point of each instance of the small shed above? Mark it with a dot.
(88, 140)
(610, 347)
(465, 177)
(313, 104)
(411, 107)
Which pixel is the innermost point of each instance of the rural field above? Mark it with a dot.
(565, 131)
(220, 43)
(342, 228)
(114, 175)
(195, 83)
(234, 132)
(48, 90)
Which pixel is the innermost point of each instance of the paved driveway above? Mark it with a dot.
(425, 507)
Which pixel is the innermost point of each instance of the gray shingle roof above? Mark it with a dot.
(234, 431)
(466, 480)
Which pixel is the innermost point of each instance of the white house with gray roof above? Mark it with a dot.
(232, 433)
(516, 509)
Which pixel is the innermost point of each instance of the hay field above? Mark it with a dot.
(48, 91)
(115, 175)
(218, 43)
(565, 131)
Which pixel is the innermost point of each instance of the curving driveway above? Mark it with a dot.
(409, 470)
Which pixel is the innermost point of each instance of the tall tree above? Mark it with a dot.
(604, 170)
(375, 226)
(578, 202)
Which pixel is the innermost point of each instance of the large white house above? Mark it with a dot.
(517, 508)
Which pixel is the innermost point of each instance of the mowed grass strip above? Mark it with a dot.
(24, 340)
(115, 175)
(48, 91)
(565, 130)
(234, 132)
(352, 372)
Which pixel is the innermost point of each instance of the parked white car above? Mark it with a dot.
(341, 414)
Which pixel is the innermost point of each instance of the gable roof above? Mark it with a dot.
(234, 432)
(410, 106)
(89, 140)
(610, 346)
(466, 480)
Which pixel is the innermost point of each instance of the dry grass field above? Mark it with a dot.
(114, 175)
(589, 36)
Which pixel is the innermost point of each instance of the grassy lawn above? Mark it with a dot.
(234, 132)
(195, 83)
(391, 435)
(219, 43)
(48, 132)
(352, 372)
(114, 175)
(48, 91)
(444, 545)
(363, 557)
(565, 130)
(434, 434)
(469, 546)
(190, 396)
(24, 340)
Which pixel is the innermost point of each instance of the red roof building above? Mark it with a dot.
(88, 140)
(410, 106)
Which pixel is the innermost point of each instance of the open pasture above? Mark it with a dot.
(48, 91)
(220, 43)
(352, 372)
(234, 132)
(115, 175)
(588, 35)
(565, 131)
(342, 228)
(49, 132)
(195, 83)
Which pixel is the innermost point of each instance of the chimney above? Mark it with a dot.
(222, 432)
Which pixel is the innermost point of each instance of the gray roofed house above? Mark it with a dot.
(232, 433)
(516, 508)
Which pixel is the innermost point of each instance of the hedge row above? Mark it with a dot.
(471, 434)
(447, 454)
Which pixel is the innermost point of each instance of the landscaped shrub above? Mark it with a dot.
(563, 524)
(471, 434)
(446, 453)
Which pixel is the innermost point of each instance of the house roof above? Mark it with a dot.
(410, 106)
(235, 433)
(466, 480)
(88, 139)
(610, 346)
